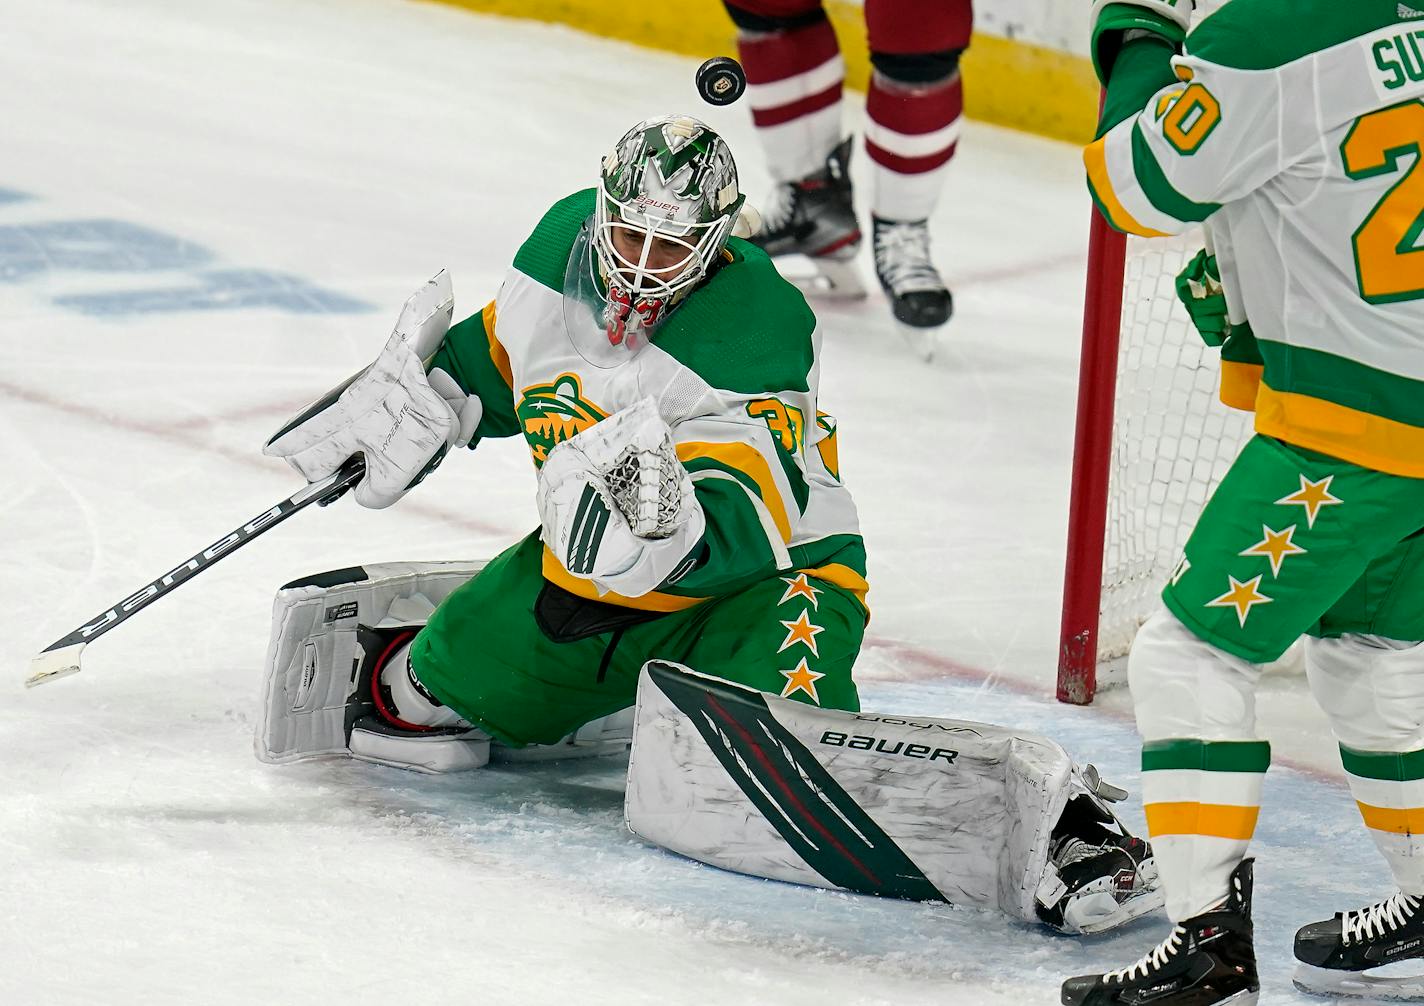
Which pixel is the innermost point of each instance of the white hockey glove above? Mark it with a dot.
(617, 506)
(400, 419)
(1116, 21)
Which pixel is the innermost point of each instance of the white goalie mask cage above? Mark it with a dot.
(669, 183)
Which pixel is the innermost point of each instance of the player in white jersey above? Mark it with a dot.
(1295, 130)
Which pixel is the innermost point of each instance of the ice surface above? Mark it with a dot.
(210, 213)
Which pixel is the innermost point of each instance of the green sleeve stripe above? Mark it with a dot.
(544, 256)
(1206, 756)
(465, 356)
(795, 477)
(1267, 34)
(736, 550)
(700, 464)
(1390, 766)
(1331, 378)
(844, 549)
(1103, 210)
(1158, 189)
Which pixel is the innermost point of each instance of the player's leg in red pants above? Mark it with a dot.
(915, 102)
(794, 79)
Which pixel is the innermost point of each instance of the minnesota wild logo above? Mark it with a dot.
(551, 413)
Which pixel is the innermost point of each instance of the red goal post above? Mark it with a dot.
(1092, 456)
(1152, 442)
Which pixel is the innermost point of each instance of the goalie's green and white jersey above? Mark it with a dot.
(1296, 128)
(734, 370)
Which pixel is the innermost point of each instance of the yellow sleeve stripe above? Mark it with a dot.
(556, 574)
(1095, 158)
(751, 463)
(496, 351)
(1409, 821)
(1212, 820)
(1361, 438)
(1239, 384)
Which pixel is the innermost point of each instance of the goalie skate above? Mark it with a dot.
(1100, 876)
(334, 633)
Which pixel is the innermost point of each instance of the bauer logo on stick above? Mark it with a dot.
(721, 80)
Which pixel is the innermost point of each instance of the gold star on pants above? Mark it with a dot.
(1242, 596)
(1312, 496)
(801, 631)
(799, 586)
(802, 679)
(1276, 546)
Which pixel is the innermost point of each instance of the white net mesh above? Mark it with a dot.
(1172, 441)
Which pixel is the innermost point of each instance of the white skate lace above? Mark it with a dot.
(902, 257)
(1075, 850)
(1153, 960)
(777, 210)
(1377, 920)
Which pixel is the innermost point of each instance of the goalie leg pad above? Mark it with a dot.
(328, 634)
(911, 807)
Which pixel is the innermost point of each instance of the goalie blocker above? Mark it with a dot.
(909, 807)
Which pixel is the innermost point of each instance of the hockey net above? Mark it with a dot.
(1152, 442)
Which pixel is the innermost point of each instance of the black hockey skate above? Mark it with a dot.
(1337, 955)
(918, 297)
(815, 217)
(1208, 960)
(375, 731)
(1101, 877)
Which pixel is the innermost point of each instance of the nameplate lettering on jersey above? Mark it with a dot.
(1398, 62)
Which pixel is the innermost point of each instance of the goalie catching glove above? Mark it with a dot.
(618, 507)
(402, 420)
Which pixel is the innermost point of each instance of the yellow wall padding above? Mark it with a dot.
(1006, 82)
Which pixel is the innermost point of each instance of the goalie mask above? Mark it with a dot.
(668, 200)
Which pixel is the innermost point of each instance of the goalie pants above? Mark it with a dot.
(1292, 543)
(484, 654)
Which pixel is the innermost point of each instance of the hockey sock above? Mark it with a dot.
(1202, 799)
(1388, 786)
(410, 702)
(794, 81)
(911, 132)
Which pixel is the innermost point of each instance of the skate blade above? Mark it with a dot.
(923, 342)
(833, 279)
(1333, 984)
(54, 664)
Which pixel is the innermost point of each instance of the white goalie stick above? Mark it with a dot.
(61, 658)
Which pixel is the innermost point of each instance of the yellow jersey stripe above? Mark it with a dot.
(750, 462)
(1239, 384)
(844, 577)
(1095, 158)
(1213, 820)
(1358, 437)
(498, 356)
(556, 574)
